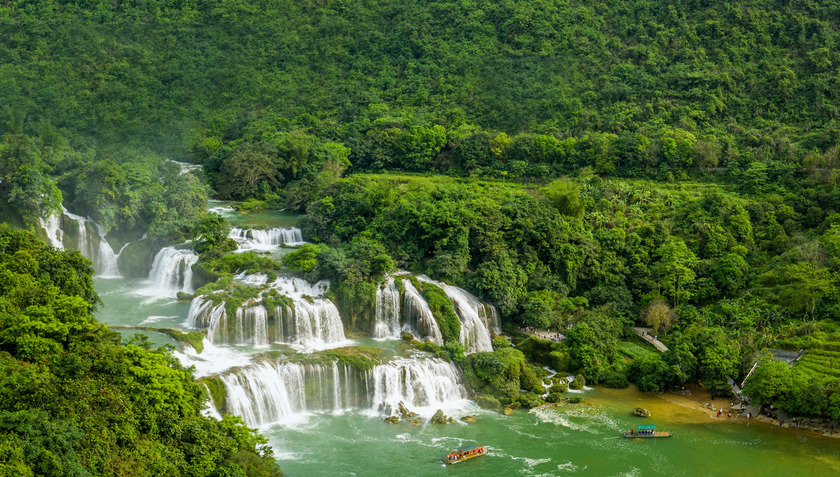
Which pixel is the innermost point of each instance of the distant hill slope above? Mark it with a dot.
(152, 69)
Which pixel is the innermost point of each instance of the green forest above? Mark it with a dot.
(583, 166)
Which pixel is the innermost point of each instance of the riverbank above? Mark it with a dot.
(700, 400)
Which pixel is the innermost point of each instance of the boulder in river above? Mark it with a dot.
(641, 412)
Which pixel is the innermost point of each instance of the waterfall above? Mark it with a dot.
(211, 314)
(429, 383)
(387, 311)
(255, 319)
(477, 319)
(97, 250)
(310, 321)
(172, 272)
(419, 316)
(52, 226)
(271, 392)
(266, 393)
(266, 239)
(311, 325)
(106, 259)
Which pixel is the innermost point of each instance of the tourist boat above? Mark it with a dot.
(646, 432)
(464, 453)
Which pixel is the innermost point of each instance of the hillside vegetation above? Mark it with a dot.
(600, 164)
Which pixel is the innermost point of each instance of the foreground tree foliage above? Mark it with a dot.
(75, 402)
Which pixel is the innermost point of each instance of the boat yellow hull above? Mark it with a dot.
(463, 459)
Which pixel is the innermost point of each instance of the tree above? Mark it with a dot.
(730, 273)
(769, 382)
(245, 172)
(659, 316)
(564, 195)
(212, 233)
(800, 286)
(24, 179)
(304, 259)
(677, 148)
(718, 358)
(675, 269)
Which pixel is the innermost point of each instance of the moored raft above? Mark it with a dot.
(464, 453)
(647, 431)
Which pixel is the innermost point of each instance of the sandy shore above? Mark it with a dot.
(699, 400)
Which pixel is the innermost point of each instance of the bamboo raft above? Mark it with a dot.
(655, 434)
(646, 432)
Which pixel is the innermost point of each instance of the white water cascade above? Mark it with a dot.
(106, 259)
(96, 249)
(266, 393)
(172, 272)
(255, 319)
(419, 316)
(424, 385)
(52, 226)
(271, 392)
(305, 318)
(412, 314)
(266, 239)
(477, 319)
(387, 312)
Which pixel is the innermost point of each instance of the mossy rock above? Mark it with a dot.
(191, 338)
(416, 421)
(136, 259)
(487, 401)
(392, 420)
(443, 311)
(558, 388)
(181, 296)
(530, 400)
(641, 412)
(554, 398)
(469, 419)
(218, 393)
(578, 383)
(574, 399)
(439, 417)
(508, 411)
(363, 358)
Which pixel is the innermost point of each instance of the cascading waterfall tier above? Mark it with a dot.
(266, 239)
(91, 243)
(412, 314)
(172, 272)
(290, 311)
(387, 311)
(271, 392)
(477, 319)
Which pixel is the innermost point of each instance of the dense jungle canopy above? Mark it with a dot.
(599, 163)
